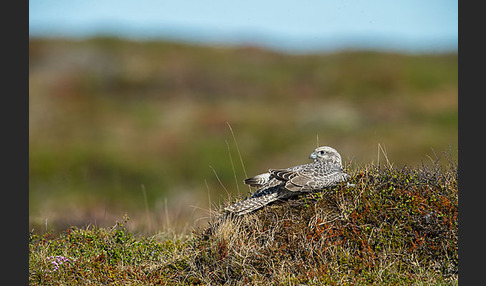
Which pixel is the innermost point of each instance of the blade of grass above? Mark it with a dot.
(233, 167)
(238, 150)
(219, 180)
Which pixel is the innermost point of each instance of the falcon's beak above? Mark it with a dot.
(313, 156)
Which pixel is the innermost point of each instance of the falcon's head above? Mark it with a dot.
(326, 153)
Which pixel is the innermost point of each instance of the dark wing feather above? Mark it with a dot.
(283, 174)
(255, 182)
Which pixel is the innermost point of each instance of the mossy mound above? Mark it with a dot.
(396, 225)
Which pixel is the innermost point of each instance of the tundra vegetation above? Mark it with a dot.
(394, 226)
(146, 129)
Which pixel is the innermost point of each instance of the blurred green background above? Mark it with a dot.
(142, 128)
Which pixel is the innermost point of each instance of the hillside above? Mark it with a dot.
(142, 128)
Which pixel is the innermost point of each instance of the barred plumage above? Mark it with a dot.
(325, 171)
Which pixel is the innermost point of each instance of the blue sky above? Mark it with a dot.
(287, 25)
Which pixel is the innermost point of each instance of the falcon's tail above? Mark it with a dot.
(252, 204)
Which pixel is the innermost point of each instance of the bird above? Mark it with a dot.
(323, 172)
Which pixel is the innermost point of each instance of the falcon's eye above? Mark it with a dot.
(321, 152)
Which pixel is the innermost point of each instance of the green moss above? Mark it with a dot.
(95, 256)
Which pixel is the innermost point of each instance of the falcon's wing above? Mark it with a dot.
(309, 177)
(295, 181)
